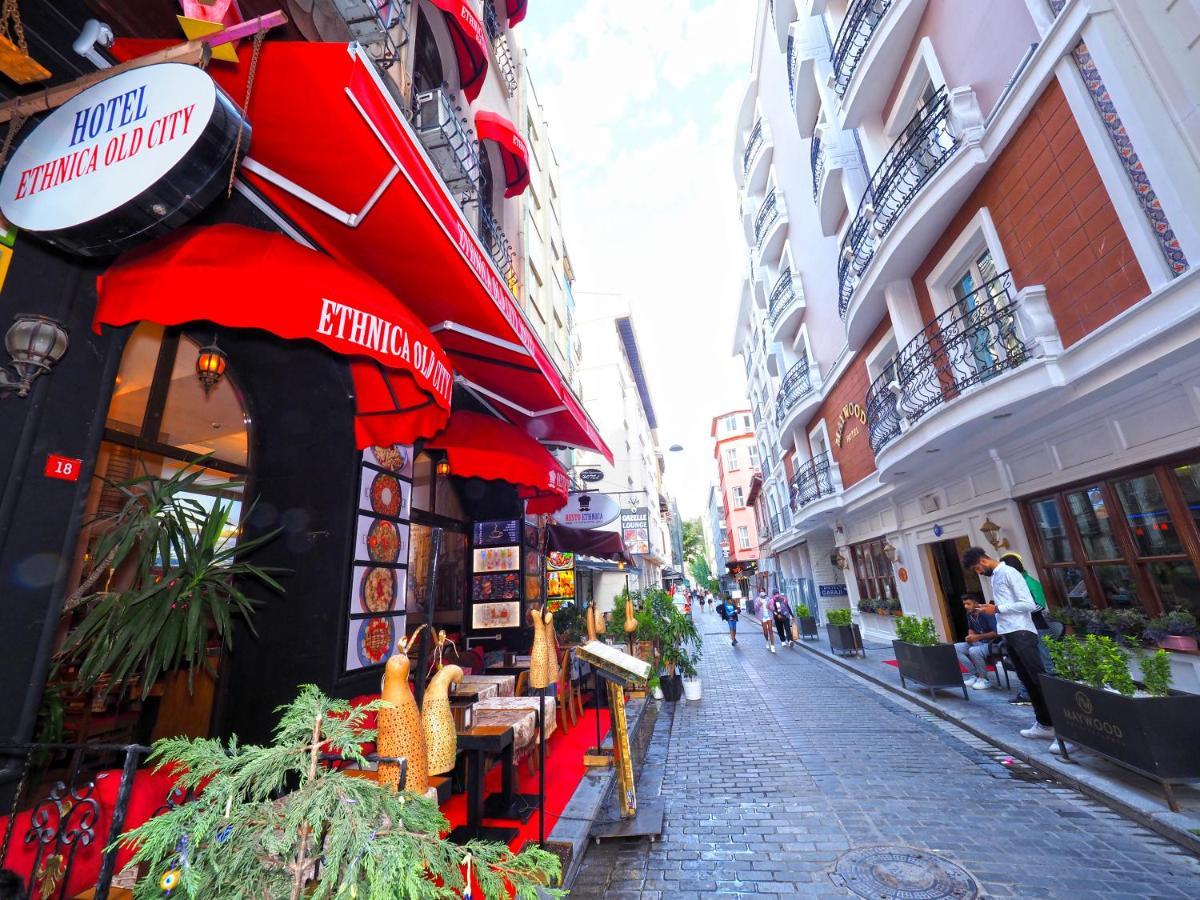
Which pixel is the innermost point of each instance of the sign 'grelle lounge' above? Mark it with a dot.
(124, 160)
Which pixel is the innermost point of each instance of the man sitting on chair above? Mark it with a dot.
(973, 652)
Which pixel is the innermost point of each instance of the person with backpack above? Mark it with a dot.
(781, 612)
(729, 612)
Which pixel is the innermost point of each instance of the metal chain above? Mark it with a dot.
(14, 127)
(12, 816)
(258, 42)
(10, 23)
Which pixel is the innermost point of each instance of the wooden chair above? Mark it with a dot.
(563, 707)
(522, 686)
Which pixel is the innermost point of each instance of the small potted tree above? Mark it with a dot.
(1095, 703)
(844, 637)
(806, 622)
(923, 658)
(1174, 631)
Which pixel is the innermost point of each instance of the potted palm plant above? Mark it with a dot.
(183, 587)
(920, 656)
(1094, 702)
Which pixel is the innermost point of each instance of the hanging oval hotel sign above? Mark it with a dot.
(591, 475)
(588, 510)
(125, 160)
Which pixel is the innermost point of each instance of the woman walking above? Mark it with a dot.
(781, 611)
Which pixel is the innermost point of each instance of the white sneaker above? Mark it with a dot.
(772, 648)
(1037, 730)
(1071, 747)
(981, 684)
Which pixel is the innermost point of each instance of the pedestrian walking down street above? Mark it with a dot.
(1013, 605)
(768, 629)
(781, 612)
(729, 612)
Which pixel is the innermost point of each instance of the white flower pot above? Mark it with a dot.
(691, 689)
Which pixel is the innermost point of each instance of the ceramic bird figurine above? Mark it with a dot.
(400, 731)
(441, 737)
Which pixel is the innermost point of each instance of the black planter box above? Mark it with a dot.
(845, 639)
(672, 687)
(1156, 737)
(934, 667)
(808, 627)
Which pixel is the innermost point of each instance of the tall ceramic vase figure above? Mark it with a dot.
(591, 621)
(543, 667)
(400, 731)
(441, 737)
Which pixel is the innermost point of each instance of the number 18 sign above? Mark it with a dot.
(62, 467)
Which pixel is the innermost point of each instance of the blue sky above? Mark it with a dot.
(641, 100)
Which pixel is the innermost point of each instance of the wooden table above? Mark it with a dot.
(514, 670)
(505, 684)
(478, 743)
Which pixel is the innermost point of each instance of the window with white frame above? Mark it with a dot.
(743, 533)
(753, 451)
(731, 459)
(739, 497)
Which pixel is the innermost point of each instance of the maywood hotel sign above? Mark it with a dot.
(124, 160)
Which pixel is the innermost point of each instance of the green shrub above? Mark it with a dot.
(1095, 661)
(1065, 656)
(841, 616)
(912, 630)
(802, 611)
(1156, 672)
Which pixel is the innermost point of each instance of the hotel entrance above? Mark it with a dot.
(951, 581)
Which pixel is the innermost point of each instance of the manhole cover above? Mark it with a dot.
(901, 873)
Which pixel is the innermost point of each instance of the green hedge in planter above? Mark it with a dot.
(913, 630)
(841, 616)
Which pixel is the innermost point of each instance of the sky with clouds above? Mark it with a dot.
(641, 101)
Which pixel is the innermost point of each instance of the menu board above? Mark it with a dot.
(496, 615)
(497, 559)
(497, 533)
(376, 595)
(495, 586)
(560, 576)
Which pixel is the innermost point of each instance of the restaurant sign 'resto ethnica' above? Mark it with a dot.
(587, 510)
(124, 160)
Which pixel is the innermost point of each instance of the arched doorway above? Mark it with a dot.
(160, 420)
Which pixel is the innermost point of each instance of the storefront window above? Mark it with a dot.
(1149, 521)
(1128, 541)
(1091, 520)
(873, 571)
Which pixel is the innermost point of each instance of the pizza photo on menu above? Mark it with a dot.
(374, 640)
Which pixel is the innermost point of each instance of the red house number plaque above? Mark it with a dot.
(63, 467)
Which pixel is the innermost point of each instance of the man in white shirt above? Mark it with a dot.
(1013, 605)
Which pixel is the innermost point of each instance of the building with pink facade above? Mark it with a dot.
(736, 452)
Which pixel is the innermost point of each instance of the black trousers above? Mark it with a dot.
(1023, 651)
(784, 628)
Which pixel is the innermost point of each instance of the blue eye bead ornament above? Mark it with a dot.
(170, 880)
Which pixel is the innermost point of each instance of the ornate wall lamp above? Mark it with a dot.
(890, 551)
(991, 531)
(838, 560)
(35, 344)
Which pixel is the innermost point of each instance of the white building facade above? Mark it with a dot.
(971, 314)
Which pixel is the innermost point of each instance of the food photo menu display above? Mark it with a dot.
(375, 600)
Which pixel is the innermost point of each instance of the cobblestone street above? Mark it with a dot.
(789, 762)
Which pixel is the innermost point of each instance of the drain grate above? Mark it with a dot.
(902, 873)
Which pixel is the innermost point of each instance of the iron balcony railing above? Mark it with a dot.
(920, 151)
(975, 340)
(764, 532)
(378, 25)
(783, 295)
(767, 215)
(812, 481)
(451, 146)
(500, 46)
(754, 144)
(797, 384)
(853, 38)
(792, 65)
(777, 524)
(498, 246)
(816, 161)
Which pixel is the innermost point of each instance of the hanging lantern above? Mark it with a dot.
(443, 467)
(210, 366)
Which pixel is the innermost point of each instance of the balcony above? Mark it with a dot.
(796, 393)
(452, 148)
(904, 177)
(498, 246)
(756, 158)
(834, 161)
(785, 305)
(975, 343)
(501, 49)
(783, 13)
(869, 50)
(808, 49)
(770, 228)
(379, 28)
(813, 481)
(816, 162)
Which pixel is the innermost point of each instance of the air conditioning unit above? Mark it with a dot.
(446, 140)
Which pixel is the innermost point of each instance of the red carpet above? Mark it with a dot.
(564, 771)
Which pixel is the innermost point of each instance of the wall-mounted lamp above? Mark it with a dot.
(890, 551)
(35, 344)
(211, 364)
(991, 531)
(838, 560)
(443, 467)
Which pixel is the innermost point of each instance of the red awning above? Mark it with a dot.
(490, 126)
(516, 11)
(480, 446)
(470, 44)
(335, 155)
(245, 278)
